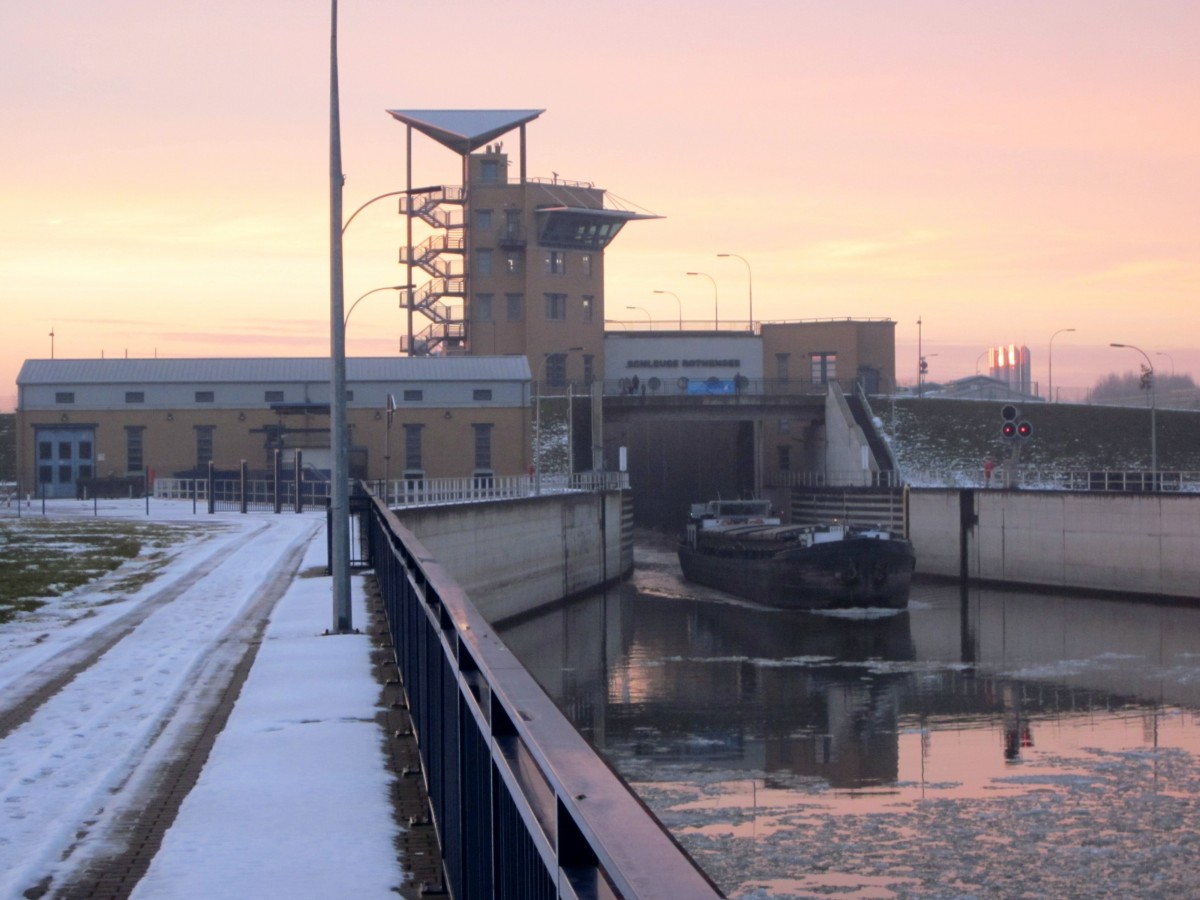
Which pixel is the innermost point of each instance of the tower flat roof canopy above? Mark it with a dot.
(464, 130)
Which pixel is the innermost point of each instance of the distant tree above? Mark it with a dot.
(1128, 387)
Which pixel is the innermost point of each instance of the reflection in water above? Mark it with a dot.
(798, 753)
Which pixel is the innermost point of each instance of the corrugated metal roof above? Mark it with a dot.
(271, 369)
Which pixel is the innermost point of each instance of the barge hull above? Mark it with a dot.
(856, 573)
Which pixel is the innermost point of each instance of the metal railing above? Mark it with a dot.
(480, 488)
(834, 478)
(1036, 478)
(523, 806)
(676, 386)
(257, 494)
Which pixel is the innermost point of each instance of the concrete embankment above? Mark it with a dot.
(512, 556)
(1129, 543)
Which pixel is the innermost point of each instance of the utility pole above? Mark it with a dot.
(339, 500)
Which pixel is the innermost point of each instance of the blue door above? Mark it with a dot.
(64, 456)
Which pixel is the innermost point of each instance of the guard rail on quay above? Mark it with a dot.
(524, 807)
(263, 493)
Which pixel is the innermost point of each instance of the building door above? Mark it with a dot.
(64, 456)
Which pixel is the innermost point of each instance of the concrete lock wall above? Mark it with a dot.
(512, 556)
(1134, 543)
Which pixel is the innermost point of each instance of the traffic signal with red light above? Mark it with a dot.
(1014, 426)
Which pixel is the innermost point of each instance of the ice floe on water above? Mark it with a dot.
(1129, 829)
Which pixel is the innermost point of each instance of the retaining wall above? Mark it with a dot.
(1128, 543)
(512, 556)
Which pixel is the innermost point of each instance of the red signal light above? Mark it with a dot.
(1009, 429)
(1024, 429)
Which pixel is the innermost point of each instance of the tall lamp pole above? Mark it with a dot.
(749, 280)
(1050, 360)
(339, 500)
(716, 300)
(677, 301)
(1153, 430)
(646, 311)
(920, 360)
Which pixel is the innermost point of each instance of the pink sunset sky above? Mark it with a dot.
(1001, 171)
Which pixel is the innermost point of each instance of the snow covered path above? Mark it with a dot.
(93, 707)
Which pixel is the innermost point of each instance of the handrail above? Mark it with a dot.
(522, 804)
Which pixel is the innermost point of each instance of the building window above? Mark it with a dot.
(515, 307)
(481, 394)
(483, 446)
(489, 171)
(412, 448)
(414, 396)
(556, 262)
(824, 368)
(482, 310)
(512, 263)
(483, 219)
(85, 449)
(45, 450)
(64, 450)
(205, 397)
(135, 396)
(483, 262)
(585, 262)
(589, 369)
(64, 397)
(556, 369)
(134, 461)
(782, 366)
(785, 426)
(589, 303)
(273, 396)
(556, 307)
(349, 396)
(785, 458)
(204, 445)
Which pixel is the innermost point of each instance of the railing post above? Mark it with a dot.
(276, 471)
(212, 493)
(243, 487)
(298, 480)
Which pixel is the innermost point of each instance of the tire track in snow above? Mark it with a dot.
(115, 752)
(24, 697)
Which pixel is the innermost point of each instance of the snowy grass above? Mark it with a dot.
(47, 558)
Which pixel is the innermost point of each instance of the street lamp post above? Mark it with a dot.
(680, 304)
(920, 359)
(390, 287)
(646, 311)
(716, 299)
(749, 280)
(1050, 360)
(339, 498)
(390, 412)
(1153, 430)
(537, 421)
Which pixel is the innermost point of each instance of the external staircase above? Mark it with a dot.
(442, 257)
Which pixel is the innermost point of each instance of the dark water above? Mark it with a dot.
(996, 744)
